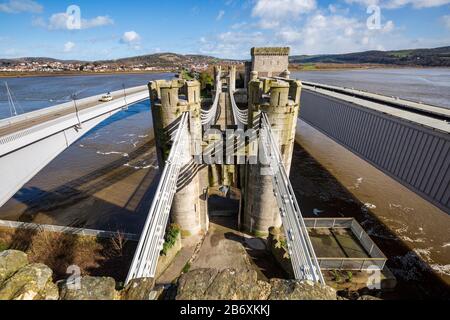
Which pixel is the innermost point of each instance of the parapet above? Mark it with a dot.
(271, 51)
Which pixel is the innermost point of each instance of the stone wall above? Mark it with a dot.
(270, 61)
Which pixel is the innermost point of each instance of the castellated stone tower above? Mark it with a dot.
(169, 100)
(268, 62)
(280, 100)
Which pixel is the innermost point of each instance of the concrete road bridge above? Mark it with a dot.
(242, 138)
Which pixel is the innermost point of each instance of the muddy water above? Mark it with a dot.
(330, 181)
(101, 182)
(106, 180)
(430, 86)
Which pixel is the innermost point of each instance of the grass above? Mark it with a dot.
(3, 246)
(186, 75)
(186, 268)
(171, 238)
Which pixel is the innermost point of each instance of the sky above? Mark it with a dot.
(222, 28)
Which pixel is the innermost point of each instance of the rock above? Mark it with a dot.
(229, 284)
(157, 293)
(300, 290)
(237, 285)
(193, 285)
(32, 282)
(139, 289)
(10, 262)
(50, 292)
(91, 288)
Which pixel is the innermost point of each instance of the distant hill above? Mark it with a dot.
(164, 59)
(159, 59)
(35, 59)
(415, 57)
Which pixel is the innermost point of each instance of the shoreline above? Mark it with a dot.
(309, 67)
(292, 67)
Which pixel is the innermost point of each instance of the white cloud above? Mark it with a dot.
(272, 12)
(238, 25)
(130, 37)
(389, 26)
(318, 33)
(59, 21)
(220, 15)
(68, 46)
(446, 20)
(232, 44)
(395, 4)
(17, 6)
(96, 22)
(323, 34)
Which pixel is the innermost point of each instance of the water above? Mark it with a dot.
(330, 181)
(106, 180)
(430, 86)
(35, 93)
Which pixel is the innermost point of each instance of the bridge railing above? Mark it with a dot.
(301, 251)
(64, 106)
(210, 116)
(240, 116)
(152, 237)
(413, 106)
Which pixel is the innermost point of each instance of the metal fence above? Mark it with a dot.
(67, 230)
(376, 257)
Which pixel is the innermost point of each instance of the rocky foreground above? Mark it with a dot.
(21, 280)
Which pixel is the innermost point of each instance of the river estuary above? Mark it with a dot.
(106, 180)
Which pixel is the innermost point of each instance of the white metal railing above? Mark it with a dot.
(66, 106)
(67, 230)
(301, 251)
(240, 116)
(210, 116)
(152, 237)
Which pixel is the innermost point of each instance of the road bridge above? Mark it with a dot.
(30, 141)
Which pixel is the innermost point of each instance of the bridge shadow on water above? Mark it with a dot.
(132, 110)
(75, 203)
(315, 188)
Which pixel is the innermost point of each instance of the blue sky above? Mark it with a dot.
(224, 28)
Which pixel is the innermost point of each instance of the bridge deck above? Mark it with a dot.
(32, 119)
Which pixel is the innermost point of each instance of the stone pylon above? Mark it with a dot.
(280, 100)
(170, 99)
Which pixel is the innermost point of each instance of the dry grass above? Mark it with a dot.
(94, 256)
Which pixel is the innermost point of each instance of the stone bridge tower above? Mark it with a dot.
(268, 62)
(169, 100)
